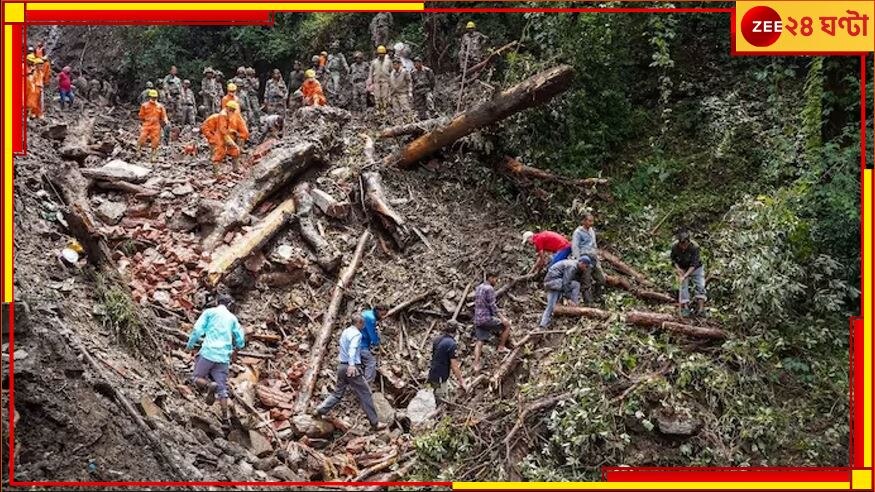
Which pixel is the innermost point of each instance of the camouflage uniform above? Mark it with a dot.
(296, 78)
(423, 85)
(171, 88)
(187, 107)
(473, 42)
(252, 94)
(80, 84)
(378, 76)
(211, 91)
(275, 94)
(338, 70)
(358, 75)
(400, 87)
(380, 26)
(242, 83)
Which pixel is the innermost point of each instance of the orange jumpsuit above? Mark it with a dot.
(217, 130)
(46, 68)
(313, 95)
(153, 115)
(237, 125)
(228, 97)
(33, 90)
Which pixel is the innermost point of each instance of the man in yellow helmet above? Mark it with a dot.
(472, 46)
(311, 90)
(379, 74)
(153, 116)
(33, 87)
(220, 130)
(230, 96)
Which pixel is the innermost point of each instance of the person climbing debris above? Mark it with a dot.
(33, 87)
(358, 75)
(583, 243)
(275, 93)
(144, 96)
(252, 95)
(220, 130)
(216, 336)
(688, 266)
(563, 280)
(271, 126)
(371, 341)
(380, 26)
(444, 360)
(153, 117)
(65, 88)
(423, 89)
(400, 87)
(471, 47)
(338, 72)
(171, 87)
(379, 72)
(311, 90)
(187, 104)
(488, 322)
(211, 92)
(349, 375)
(547, 243)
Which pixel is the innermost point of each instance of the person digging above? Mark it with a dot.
(219, 335)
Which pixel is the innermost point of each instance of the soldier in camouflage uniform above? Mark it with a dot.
(94, 92)
(358, 75)
(211, 92)
(423, 85)
(171, 88)
(275, 94)
(471, 48)
(380, 26)
(187, 104)
(400, 88)
(338, 72)
(379, 72)
(252, 93)
(296, 78)
(242, 83)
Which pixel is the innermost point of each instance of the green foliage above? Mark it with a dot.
(118, 312)
(438, 449)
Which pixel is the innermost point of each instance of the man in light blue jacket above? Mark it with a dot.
(583, 243)
(219, 335)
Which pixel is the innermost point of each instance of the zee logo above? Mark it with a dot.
(761, 26)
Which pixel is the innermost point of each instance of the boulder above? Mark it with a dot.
(677, 424)
(312, 427)
(259, 444)
(285, 474)
(421, 407)
(121, 170)
(111, 213)
(385, 410)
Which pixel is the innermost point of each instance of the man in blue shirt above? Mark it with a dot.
(219, 335)
(349, 375)
(370, 341)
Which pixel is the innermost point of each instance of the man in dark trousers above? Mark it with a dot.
(688, 266)
(349, 375)
(370, 341)
(443, 361)
(563, 279)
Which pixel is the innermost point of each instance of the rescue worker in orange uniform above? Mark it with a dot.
(231, 95)
(154, 117)
(221, 129)
(33, 87)
(311, 90)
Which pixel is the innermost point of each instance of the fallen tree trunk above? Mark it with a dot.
(622, 267)
(406, 304)
(111, 175)
(535, 406)
(417, 128)
(250, 243)
(326, 255)
(75, 146)
(511, 359)
(581, 311)
(328, 205)
(271, 174)
(72, 186)
(674, 324)
(308, 381)
(647, 295)
(533, 91)
(516, 168)
(375, 199)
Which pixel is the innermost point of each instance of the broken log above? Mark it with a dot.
(674, 324)
(533, 91)
(622, 267)
(511, 359)
(416, 128)
(137, 190)
(647, 295)
(516, 168)
(326, 255)
(112, 175)
(72, 186)
(308, 381)
(406, 304)
(581, 311)
(471, 72)
(375, 199)
(75, 146)
(535, 406)
(386, 463)
(328, 205)
(269, 175)
(250, 243)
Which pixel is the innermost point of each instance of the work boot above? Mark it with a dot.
(210, 396)
(685, 311)
(381, 426)
(153, 155)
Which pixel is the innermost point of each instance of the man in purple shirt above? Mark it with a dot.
(487, 321)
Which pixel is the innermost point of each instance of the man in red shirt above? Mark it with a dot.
(547, 242)
(65, 87)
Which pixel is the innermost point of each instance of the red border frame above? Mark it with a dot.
(639, 474)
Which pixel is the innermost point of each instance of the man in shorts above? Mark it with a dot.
(444, 361)
(487, 321)
(219, 335)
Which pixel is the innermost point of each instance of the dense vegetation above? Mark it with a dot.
(758, 156)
